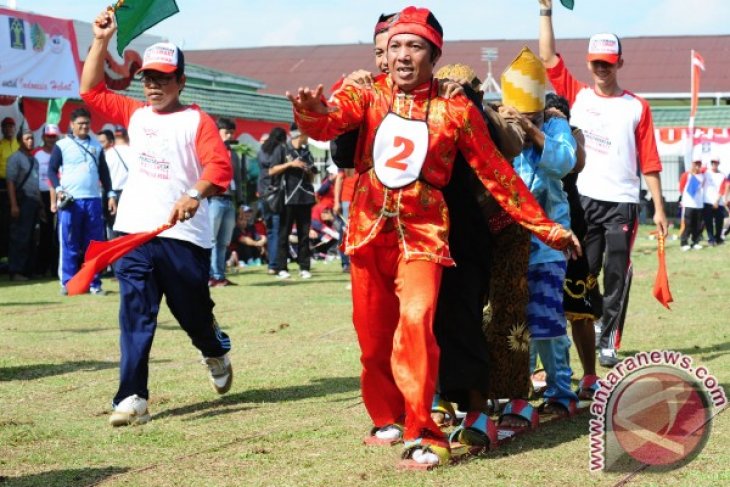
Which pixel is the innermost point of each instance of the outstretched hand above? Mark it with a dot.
(546, 3)
(308, 100)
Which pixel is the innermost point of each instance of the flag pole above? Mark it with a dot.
(692, 108)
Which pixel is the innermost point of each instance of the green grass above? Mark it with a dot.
(294, 415)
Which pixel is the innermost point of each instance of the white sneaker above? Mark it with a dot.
(283, 275)
(131, 411)
(685, 248)
(305, 274)
(697, 247)
(221, 372)
(390, 432)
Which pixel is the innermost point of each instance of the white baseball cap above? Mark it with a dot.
(604, 47)
(164, 57)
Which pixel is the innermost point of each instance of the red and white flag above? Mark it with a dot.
(698, 64)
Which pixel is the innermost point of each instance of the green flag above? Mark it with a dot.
(55, 105)
(568, 4)
(136, 16)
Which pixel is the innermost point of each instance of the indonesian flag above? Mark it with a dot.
(100, 255)
(698, 64)
(661, 284)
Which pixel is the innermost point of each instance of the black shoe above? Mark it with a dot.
(607, 358)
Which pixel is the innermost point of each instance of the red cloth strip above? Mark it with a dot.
(661, 284)
(100, 255)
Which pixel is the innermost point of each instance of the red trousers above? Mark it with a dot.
(394, 303)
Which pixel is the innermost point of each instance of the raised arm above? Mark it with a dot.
(547, 36)
(508, 190)
(104, 27)
(116, 107)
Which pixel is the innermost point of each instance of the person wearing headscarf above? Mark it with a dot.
(399, 223)
(549, 155)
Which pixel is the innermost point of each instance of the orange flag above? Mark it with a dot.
(100, 255)
(661, 283)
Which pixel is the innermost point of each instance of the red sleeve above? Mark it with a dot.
(724, 186)
(563, 82)
(500, 179)
(646, 150)
(117, 107)
(346, 112)
(212, 153)
(682, 182)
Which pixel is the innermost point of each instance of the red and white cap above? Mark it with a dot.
(164, 57)
(604, 47)
(51, 129)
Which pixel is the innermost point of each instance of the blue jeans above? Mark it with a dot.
(222, 220)
(272, 234)
(555, 358)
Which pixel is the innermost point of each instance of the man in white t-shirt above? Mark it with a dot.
(691, 185)
(620, 145)
(180, 161)
(47, 250)
(117, 157)
(716, 186)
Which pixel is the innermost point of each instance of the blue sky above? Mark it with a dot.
(208, 24)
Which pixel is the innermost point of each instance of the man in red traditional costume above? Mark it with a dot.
(399, 223)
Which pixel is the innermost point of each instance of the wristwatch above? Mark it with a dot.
(193, 193)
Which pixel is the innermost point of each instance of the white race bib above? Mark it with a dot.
(399, 150)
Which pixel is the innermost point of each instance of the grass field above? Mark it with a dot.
(294, 415)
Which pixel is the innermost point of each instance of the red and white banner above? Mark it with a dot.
(38, 56)
(707, 144)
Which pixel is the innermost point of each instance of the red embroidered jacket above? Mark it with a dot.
(419, 211)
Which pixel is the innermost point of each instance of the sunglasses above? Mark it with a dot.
(160, 80)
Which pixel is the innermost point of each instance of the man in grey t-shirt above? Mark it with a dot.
(25, 200)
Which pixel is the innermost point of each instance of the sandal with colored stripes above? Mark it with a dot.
(587, 387)
(442, 412)
(425, 453)
(477, 432)
(562, 407)
(522, 410)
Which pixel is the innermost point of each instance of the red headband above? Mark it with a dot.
(381, 27)
(414, 20)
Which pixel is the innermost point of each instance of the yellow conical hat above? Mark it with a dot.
(523, 83)
(458, 72)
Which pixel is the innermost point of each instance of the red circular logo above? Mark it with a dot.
(660, 416)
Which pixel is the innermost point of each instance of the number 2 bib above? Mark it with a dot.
(399, 150)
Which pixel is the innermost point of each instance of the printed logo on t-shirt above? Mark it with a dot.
(597, 142)
(154, 155)
(153, 167)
